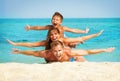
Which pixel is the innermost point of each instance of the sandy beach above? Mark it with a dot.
(66, 71)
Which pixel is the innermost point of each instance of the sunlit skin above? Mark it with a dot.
(60, 53)
(54, 35)
(56, 21)
(64, 53)
(57, 51)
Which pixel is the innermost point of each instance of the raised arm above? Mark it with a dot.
(28, 27)
(76, 30)
(82, 39)
(28, 44)
(88, 52)
(29, 52)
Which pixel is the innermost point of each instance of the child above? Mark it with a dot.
(56, 23)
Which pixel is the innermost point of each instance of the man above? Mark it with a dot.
(60, 53)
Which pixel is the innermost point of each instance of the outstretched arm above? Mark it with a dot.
(88, 52)
(83, 38)
(28, 27)
(27, 44)
(29, 52)
(76, 30)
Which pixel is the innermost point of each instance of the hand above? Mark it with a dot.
(99, 33)
(110, 49)
(11, 42)
(27, 27)
(15, 51)
(87, 30)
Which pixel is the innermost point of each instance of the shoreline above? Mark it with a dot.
(65, 71)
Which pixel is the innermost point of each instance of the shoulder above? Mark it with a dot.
(65, 28)
(67, 49)
(46, 53)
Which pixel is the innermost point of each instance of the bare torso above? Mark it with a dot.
(66, 56)
(50, 57)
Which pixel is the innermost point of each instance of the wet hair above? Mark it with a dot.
(49, 41)
(56, 43)
(58, 14)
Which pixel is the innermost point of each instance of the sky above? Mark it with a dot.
(68, 8)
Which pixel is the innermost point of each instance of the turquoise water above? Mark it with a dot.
(13, 29)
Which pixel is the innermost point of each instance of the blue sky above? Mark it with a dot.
(69, 8)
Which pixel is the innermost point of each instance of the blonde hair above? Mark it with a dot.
(56, 43)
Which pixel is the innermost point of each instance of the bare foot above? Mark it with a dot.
(110, 49)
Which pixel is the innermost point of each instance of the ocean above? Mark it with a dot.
(14, 29)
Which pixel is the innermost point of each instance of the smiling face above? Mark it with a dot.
(56, 21)
(57, 52)
(57, 49)
(54, 35)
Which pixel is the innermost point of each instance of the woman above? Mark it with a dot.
(54, 34)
